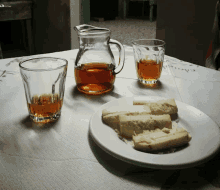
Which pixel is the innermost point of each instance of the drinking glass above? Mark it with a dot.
(149, 57)
(44, 83)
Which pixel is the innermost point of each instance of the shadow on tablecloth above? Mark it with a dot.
(204, 176)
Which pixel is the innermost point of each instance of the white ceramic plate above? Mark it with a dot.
(204, 144)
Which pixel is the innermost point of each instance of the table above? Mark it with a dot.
(64, 155)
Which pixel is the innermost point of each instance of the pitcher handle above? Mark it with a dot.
(121, 55)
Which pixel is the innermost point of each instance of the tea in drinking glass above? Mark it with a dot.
(45, 105)
(44, 84)
(149, 56)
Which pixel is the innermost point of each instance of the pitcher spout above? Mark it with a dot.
(85, 28)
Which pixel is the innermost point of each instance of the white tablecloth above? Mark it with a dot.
(64, 155)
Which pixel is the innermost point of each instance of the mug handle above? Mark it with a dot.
(121, 55)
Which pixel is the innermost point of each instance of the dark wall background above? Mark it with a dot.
(186, 27)
(51, 25)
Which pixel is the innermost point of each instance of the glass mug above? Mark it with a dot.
(149, 57)
(44, 83)
(95, 67)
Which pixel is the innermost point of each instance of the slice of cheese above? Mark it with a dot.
(130, 125)
(161, 139)
(160, 107)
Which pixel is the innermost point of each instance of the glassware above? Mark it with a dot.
(44, 83)
(95, 67)
(149, 57)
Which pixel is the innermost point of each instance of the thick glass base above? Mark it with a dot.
(45, 119)
(149, 83)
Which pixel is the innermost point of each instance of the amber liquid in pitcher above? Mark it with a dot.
(149, 69)
(95, 78)
(45, 106)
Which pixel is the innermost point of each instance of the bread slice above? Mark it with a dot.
(110, 116)
(130, 125)
(161, 139)
(160, 107)
(112, 120)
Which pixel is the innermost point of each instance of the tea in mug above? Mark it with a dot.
(95, 78)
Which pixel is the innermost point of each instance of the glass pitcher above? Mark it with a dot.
(95, 67)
